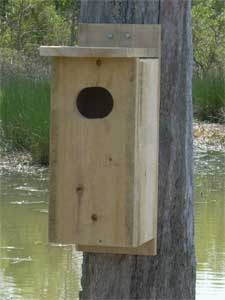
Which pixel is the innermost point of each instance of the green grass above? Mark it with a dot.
(25, 106)
(24, 112)
(209, 97)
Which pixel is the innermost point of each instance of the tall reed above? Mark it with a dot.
(25, 106)
(24, 111)
(209, 97)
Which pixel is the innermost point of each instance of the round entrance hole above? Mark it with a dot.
(95, 102)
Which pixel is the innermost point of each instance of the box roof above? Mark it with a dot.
(69, 51)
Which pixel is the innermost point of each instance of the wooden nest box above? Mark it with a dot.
(104, 139)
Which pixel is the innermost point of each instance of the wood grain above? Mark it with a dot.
(103, 182)
(147, 249)
(119, 35)
(104, 172)
(146, 150)
(95, 154)
(69, 51)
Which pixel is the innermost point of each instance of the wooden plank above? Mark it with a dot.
(119, 35)
(94, 158)
(104, 172)
(52, 204)
(148, 249)
(146, 151)
(69, 51)
(62, 223)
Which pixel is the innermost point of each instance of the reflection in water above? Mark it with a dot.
(210, 225)
(30, 268)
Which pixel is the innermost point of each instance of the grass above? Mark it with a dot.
(209, 97)
(25, 106)
(24, 112)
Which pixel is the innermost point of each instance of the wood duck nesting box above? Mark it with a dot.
(104, 139)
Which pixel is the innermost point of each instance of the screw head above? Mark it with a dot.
(127, 35)
(110, 35)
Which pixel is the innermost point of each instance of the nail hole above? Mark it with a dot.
(94, 217)
(98, 62)
(80, 190)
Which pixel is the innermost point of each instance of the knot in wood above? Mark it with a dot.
(98, 62)
(80, 190)
(94, 217)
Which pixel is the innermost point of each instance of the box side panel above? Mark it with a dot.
(92, 159)
(146, 151)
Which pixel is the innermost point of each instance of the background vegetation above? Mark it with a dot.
(24, 76)
(208, 23)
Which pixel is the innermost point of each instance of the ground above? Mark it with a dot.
(209, 137)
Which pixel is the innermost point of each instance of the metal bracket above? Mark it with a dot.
(119, 35)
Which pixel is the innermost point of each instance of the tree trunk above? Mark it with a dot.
(170, 274)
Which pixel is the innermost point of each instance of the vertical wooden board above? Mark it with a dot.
(150, 152)
(61, 208)
(94, 157)
(52, 209)
(146, 151)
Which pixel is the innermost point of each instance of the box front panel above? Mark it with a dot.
(92, 155)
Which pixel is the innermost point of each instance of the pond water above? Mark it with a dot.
(31, 269)
(210, 225)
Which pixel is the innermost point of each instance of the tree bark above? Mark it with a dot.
(170, 274)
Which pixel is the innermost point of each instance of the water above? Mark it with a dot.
(210, 225)
(31, 269)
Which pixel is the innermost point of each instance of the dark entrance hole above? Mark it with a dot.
(95, 102)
